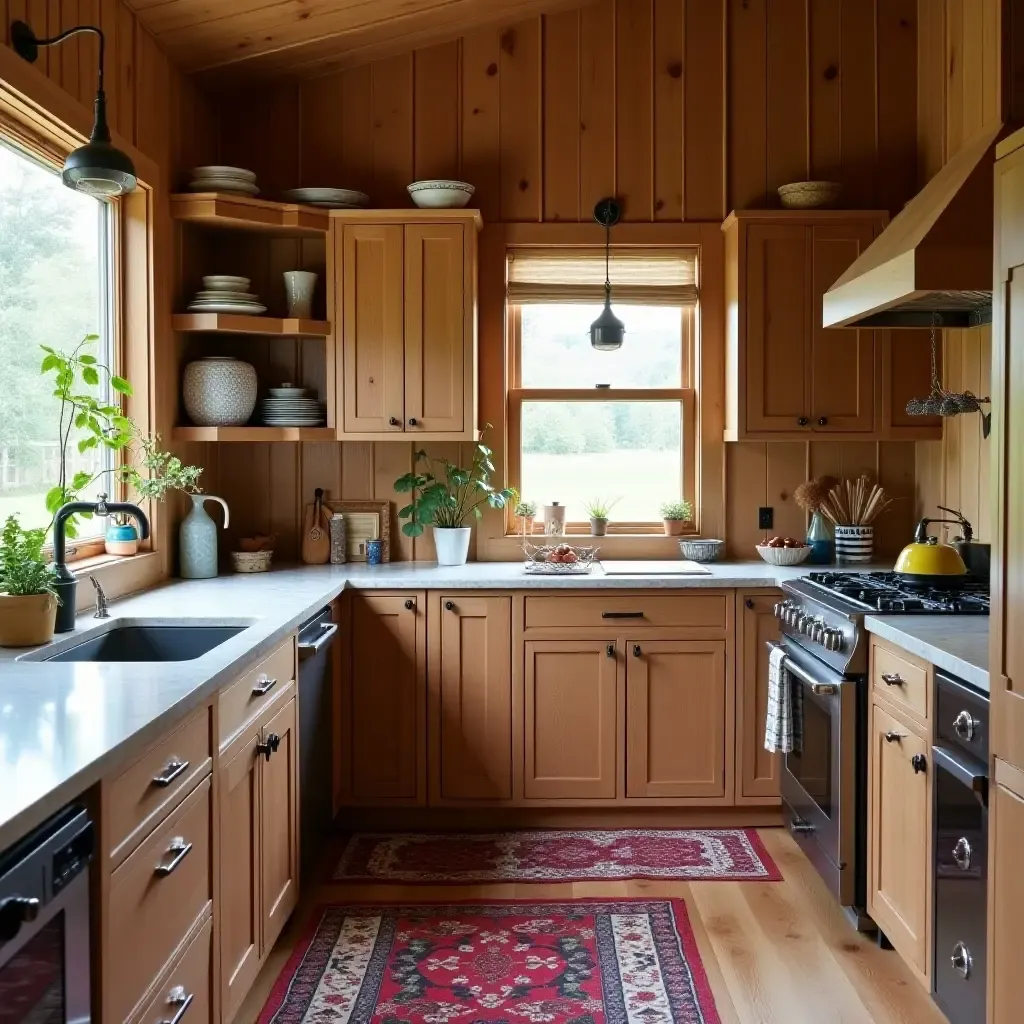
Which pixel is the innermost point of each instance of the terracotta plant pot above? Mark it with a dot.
(598, 527)
(27, 621)
(674, 527)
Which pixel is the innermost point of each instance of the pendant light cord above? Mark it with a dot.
(67, 33)
(607, 263)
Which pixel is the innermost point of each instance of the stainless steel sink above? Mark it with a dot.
(131, 640)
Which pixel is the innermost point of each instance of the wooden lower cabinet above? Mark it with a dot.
(676, 718)
(384, 697)
(899, 836)
(570, 720)
(1005, 895)
(757, 771)
(470, 641)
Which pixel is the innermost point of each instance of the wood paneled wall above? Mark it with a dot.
(685, 108)
(959, 95)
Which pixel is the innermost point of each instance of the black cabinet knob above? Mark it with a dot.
(893, 737)
(919, 763)
(636, 650)
(449, 606)
(270, 747)
(409, 605)
(749, 604)
(395, 422)
(610, 650)
(14, 912)
(413, 421)
(802, 421)
(822, 421)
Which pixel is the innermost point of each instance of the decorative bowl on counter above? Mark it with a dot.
(783, 556)
(700, 549)
(251, 561)
(558, 559)
(440, 194)
(219, 391)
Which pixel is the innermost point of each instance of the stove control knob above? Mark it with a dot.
(818, 631)
(965, 726)
(833, 639)
(962, 853)
(802, 622)
(961, 960)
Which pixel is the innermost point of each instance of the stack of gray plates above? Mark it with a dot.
(219, 178)
(288, 406)
(226, 294)
(329, 198)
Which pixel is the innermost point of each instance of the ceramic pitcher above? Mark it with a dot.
(198, 539)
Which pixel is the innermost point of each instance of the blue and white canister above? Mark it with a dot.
(374, 551)
(854, 544)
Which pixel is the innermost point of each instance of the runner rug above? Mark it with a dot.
(608, 961)
(686, 855)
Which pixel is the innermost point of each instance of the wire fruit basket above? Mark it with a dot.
(558, 559)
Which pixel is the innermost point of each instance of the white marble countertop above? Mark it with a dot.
(956, 643)
(64, 725)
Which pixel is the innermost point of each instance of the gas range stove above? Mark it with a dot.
(885, 592)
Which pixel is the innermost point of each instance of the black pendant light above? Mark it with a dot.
(97, 168)
(607, 331)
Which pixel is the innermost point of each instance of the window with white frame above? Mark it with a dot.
(56, 287)
(587, 426)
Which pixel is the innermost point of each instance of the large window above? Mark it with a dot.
(55, 288)
(612, 426)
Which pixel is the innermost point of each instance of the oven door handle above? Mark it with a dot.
(975, 778)
(818, 688)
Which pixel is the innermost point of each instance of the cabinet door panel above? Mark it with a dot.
(757, 770)
(1005, 904)
(842, 362)
(571, 730)
(778, 270)
(387, 699)
(238, 907)
(279, 820)
(372, 327)
(899, 837)
(474, 695)
(435, 328)
(675, 718)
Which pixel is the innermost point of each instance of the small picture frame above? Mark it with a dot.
(364, 520)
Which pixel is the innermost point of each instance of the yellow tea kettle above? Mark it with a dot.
(927, 562)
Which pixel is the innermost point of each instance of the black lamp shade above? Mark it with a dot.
(99, 169)
(607, 331)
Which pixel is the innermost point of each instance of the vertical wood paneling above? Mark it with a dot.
(825, 90)
(897, 112)
(668, 110)
(704, 110)
(391, 112)
(597, 100)
(634, 107)
(481, 140)
(519, 127)
(787, 92)
(931, 92)
(436, 112)
(562, 116)
(857, 102)
(748, 111)
(321, 157)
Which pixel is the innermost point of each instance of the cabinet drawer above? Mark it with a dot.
(155, 897)
(142, 794)
(901, 679)
(705, 611)
(248, 696)
(185, 987)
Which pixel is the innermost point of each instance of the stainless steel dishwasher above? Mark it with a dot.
(316, 717)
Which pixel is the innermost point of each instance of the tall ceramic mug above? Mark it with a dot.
(299, 286)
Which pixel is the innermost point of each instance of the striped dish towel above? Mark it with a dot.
(778, 731)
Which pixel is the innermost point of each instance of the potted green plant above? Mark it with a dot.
(526, 512)
(28, 600)
(674, 514)
(446, 496)
(598, 510)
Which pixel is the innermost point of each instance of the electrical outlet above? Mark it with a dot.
(765, 518)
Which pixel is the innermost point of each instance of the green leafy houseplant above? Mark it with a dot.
(525, 510)
(600, 508)
(28, 602)
(447, 496)
(674, 514)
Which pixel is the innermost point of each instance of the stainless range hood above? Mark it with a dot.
(933, 264)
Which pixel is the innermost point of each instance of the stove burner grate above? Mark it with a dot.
(887, 592)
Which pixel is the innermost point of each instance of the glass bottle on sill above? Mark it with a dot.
(819, 536)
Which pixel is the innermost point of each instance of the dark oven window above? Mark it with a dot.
(32, 981)
(810, 761)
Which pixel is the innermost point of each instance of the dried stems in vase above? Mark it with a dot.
(855, 502)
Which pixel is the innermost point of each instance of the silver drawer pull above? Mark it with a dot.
(962, 961)
(180, 998)
(824, 689)
(962, 854)
(893, 679)
(174, 768)
(264, 684)
(180, 849)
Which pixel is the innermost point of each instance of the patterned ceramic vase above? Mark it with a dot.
(854, 544)
(198, 540)
(819, 536)
(219, 391)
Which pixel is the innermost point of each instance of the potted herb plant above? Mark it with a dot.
(446, 496)
(526, 512)
(598, 510)
(28, 600)
(674, 514)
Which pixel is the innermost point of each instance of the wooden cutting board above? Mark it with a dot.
(675, 567)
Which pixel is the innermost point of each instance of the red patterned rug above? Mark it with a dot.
(573, 962)
(686, 855)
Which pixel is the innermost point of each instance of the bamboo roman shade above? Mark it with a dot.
(641, 276)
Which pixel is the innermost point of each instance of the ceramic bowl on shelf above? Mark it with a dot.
(810, 195)
(225, 283)
(783, 556)
(219, 391)
(220, 178)
(223, 171)
(701, 549)
(329, 198)
(440, 194)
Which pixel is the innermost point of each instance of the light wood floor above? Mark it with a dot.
(775, 952)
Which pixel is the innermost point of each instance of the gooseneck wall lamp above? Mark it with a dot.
(98, 168)
(607, 331)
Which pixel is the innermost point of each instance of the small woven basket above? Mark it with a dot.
(251, 561)
(809, 195)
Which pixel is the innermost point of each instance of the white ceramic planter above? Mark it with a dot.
(854, 544)
(299, 286)
(219, 392)
(452, 544)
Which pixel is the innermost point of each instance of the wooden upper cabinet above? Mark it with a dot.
(676, 718)
(383, 711)
(570, 719)
(1005, 896)
(470, 645)
(787, 377)
(407, 326)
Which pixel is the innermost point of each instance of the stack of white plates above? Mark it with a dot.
(288, 406)
(226, 294)
(218, 178)
(329, 198)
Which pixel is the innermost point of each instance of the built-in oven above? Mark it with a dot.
(960, 840)
(822, 791)
(44, 923)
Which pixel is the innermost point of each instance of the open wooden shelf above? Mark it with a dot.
(263, 434)
(233, 323)
(240, 213)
